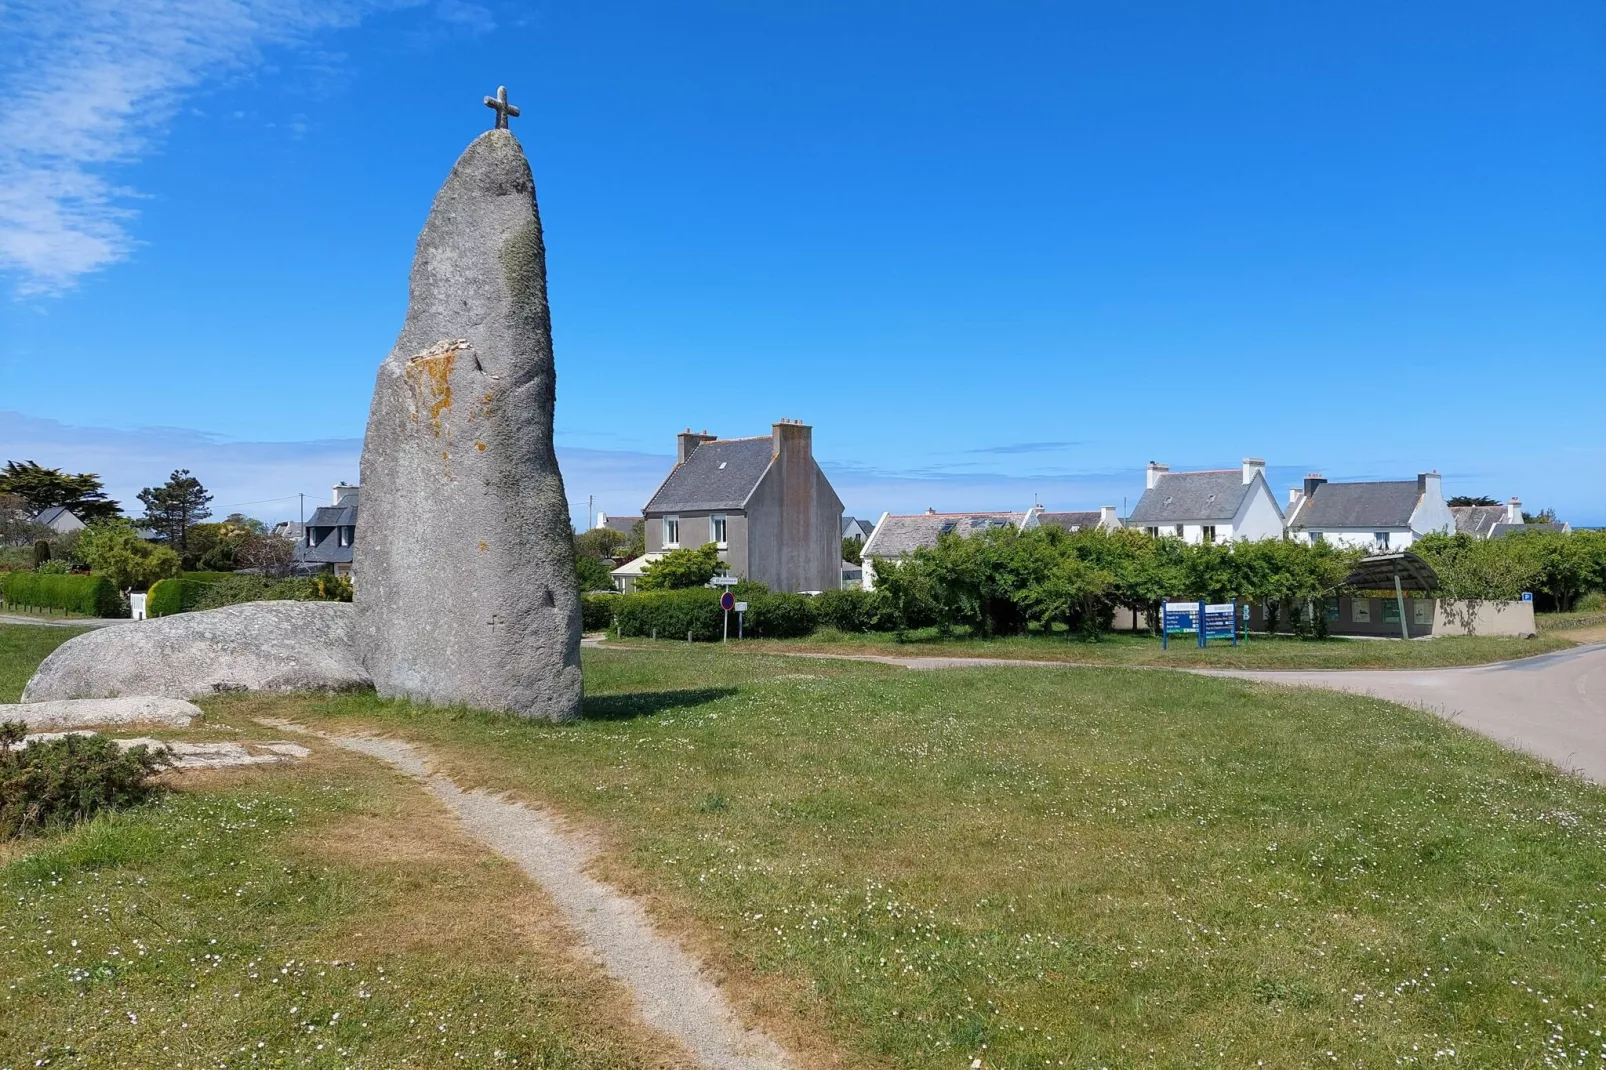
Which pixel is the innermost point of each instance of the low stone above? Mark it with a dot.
(102, 713)
(254, 646)
(186, 755)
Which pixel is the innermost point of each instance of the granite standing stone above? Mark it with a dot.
(464, 570)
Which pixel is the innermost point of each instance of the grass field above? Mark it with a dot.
(1118, 649)
(890, 869)
(22, 648)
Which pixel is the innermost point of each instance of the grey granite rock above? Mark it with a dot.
(102, 713)
(464, 571)
(256, 646)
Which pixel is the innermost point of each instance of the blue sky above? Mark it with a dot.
(990, 252)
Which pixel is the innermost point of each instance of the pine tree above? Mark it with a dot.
(175, 505)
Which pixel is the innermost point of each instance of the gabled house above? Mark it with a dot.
(624, 525)
(1083, 520)
(1374, 515)
(1493, 521)
(896, 536)
(329, 534)
(1223, 505)
(854, 528)
(60, 519)
(764, 502)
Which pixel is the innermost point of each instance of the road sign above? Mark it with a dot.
(1221, 621)
(1527, 596)
(727, 601)
(725, 581)
(741, 607)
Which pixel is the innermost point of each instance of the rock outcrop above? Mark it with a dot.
(465, 583)
(74, 713)
(255, 646)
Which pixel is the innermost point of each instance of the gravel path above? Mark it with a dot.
(671, 994)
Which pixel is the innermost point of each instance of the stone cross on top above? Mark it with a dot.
(504, 110)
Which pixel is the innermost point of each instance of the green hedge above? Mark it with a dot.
(779, 616)
(206, 577)
(670, 614)
(170, 596)
(92, 596)
(852, 610)
(596, 611)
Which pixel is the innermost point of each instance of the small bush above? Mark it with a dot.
(780, 616)
(170, 596)
(849, 611)
(62, 780)
(92, 596)
(41, 552)
(670, 614)
(596, 611)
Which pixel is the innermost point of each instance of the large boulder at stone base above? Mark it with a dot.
(255, 646)
(75, 713)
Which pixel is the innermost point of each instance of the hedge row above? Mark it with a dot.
(696, 613)
(92, 596)
(170, 596)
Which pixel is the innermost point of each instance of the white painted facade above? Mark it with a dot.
(1431, 516)
(1257, 516)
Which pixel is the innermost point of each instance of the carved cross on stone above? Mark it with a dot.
(504, 110)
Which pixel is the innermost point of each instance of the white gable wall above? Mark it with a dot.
(1258, 517)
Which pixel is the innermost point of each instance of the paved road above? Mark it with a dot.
(1552, 706)
(75, 622)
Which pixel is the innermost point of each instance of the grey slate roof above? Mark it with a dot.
(899, 535)
(49, 516)
(1179, 497)
(333, 516)
(1379, 505)
(1503, 529)
(719, 474)
(622, 524)
(327, 552)
(1478, 520)
(1074, 521)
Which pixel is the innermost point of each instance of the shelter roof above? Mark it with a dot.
(1378, 572)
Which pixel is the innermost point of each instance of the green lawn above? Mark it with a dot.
(1083, 868)
(1258, 652)
(22, 648)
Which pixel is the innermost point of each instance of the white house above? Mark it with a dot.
(1376, 515)
(1214, 506)
(897, 536)
(1495, 521)
(1103, 518)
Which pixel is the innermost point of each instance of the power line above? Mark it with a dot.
(264, 501)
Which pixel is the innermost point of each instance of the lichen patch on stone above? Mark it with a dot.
(429, 374)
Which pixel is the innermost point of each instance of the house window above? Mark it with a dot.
(671, 532)
(1152, 532)
(1179, 531)
(1316, 537)
(1208, 533)
(345, 536)
(1381, 538)
(716, 525)
(310, 540)
(1360, 610)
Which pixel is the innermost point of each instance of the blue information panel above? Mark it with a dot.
(1205, 620)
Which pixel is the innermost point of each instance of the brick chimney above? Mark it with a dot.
(792, 439)
(689, 440)
(1514, 510)
(1312, 481)
(1253, 466)
(1156, 470)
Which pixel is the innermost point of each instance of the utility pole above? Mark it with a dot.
(591, 506)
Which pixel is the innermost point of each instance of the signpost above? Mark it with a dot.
(1205, 620)
(741, 615)
(727, 602)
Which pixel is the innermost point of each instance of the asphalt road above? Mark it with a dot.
(1552, 706)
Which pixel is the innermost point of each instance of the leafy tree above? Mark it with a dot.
(246, 523)
(638, 540)
(114, 549)
(1565, 565)
(600, 542)
(1478, 569)
(176, 505)
(851, 549)
(44, 488)
(1468, 499)
(594, 573)
(1543, 516)
(680, 568)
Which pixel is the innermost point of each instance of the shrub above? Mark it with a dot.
(670, 614)
(53, 567)
(780, 616)
(239, 588)
(67, 779)
(680, 569)
(329, 587)
(849, 611)
(205, 577)
(596, 611)
(170, 596)
(92, 596)
(114, 549)
(41, 552)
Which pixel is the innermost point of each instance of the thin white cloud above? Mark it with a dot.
(90, 86)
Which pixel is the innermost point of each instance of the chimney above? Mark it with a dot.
(687, 441)
(792, 438)
(931, 510)
(1426, 481)
(1156, 470)
(1107, 517)
(1312, 481)
(1294, 495)
(1253, 466)
(1514, 510)
(343, 491)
